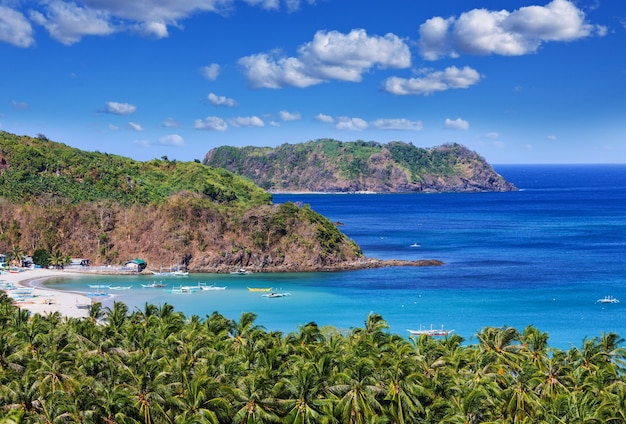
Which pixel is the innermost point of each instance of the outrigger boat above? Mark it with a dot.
(275, 295)
(154, 285)
(608, 299)
(260, 289)
(433, 332)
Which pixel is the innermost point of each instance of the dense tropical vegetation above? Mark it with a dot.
(35, 166)
(156, 365)
(58, 202)
(335, 166)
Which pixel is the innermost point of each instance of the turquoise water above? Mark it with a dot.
(541, 256)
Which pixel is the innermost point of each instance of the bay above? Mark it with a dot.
(540, 256)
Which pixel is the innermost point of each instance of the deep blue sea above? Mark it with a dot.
(541, 256)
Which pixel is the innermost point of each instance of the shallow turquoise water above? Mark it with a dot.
(541, 256)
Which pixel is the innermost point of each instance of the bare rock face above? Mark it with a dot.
(333, 166)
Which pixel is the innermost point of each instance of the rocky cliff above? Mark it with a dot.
(335, 166)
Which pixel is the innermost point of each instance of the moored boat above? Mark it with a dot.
(275, 295)
(260, 289)
(432, 332)
(154, 285)
(608, 299)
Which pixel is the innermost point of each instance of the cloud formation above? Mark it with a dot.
(456, 124)
(212, 123)
(116, 108)
(331, 55)
(433, 81)
(522, 31)
(15, 28)
(221, 100)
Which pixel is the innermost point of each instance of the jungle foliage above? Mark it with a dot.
(155, 365)
(34, 166)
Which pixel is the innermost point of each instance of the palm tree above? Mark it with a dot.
(357, 392)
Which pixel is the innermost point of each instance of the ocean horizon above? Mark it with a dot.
(541, 256)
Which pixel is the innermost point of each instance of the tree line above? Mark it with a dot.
(155, 365)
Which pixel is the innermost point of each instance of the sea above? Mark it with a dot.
(540, 256)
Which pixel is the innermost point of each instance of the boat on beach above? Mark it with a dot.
(432, 332)
(608, 299)
(260, 289)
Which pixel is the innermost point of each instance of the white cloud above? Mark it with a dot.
(456, 124)
(119, 108)
(289, 116)
(113, 127)
(19, 105)
(135, 126)
(170, 123)
(213, 123)
(247, 121)
(291, 5)
(172, 140)
(397, 124)
(519, 32)
(325, 118)
(68, 22)
(331, 55)
(552, 137)
(451, 78)
(210, 72)
(221, 100)
(352, 124)
(15, 28)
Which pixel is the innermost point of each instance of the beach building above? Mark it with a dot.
(136, 265)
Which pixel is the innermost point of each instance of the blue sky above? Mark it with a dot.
(516, 81)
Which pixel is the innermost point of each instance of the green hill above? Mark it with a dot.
(334, 166)
(57, 199)
(32, 167)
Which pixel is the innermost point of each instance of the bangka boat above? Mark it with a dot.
(608, 299)
(154, 285)
(203, 286)
(184, 289)
(433, 332)
(100, 286)
(120, 287)
(241, 271)
(274, 295)
(260, 289)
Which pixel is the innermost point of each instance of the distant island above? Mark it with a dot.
(332, 166)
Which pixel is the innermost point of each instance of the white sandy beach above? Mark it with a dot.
(42, 300)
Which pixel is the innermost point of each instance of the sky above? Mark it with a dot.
(517, 81)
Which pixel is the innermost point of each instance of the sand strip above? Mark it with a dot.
(39, 300)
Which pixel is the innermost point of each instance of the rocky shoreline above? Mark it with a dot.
(365, 263)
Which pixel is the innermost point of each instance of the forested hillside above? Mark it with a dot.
(60, 200)
(335, 166)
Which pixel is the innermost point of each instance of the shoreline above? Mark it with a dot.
(42, 300)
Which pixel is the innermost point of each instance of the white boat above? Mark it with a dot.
(415, 245)
(120, 287)
(184, 289)
(241, 271)
(432, 332)
(203, 286)
(154, 285)
(100, 286)
(608, 299)
(275, 294)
